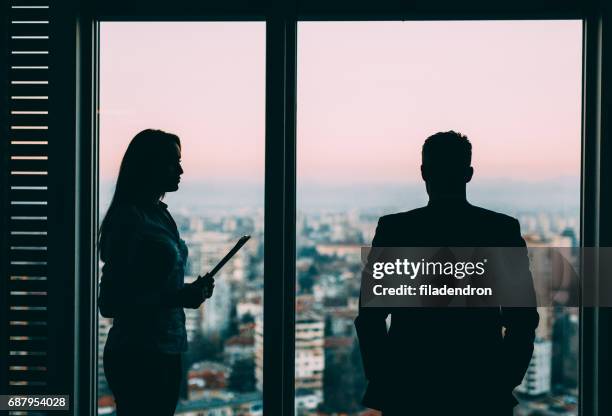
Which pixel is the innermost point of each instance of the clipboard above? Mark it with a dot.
(225, 259)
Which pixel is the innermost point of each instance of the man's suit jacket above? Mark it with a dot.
(446, 360)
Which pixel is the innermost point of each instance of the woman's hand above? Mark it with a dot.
(208, 285)
(194, 294)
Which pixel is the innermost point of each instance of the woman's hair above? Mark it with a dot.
(144, 157)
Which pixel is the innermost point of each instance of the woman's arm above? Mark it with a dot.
(136, 270)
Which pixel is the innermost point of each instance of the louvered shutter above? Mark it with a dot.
(27, 210)
(37, 288)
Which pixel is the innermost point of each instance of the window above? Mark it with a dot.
(369, 93)
(50, 344)
(196, 80)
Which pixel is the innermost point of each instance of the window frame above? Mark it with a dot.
(281, 19)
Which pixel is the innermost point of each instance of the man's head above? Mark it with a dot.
(446, 162)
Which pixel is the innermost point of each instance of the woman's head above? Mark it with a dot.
(150, 167)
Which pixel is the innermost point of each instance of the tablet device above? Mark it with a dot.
(227, 257)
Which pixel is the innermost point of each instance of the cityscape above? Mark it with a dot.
(223, 369)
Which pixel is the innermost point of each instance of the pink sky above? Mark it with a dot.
(368, 95)
(202, 81)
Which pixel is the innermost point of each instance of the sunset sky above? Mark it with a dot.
(369, 93)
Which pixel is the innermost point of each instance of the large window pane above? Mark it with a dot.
(369, 93)
(204, 82)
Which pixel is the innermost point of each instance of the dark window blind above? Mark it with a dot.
(25, 208)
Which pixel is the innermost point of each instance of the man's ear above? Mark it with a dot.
(424, 173)
(468, 174)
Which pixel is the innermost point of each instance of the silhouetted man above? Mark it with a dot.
(446, 361)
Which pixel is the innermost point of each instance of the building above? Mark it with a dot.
(206, 376)
(228, 404)
(309, 350)
(259, 343)
(239, 347)
(537, 377)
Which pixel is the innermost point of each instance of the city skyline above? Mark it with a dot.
(328, 264)
(507, 195)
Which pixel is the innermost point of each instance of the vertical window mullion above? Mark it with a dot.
(279, 252)
(595, 366)
(603, 364)
(587, 207)
(86, 327)
(290, 212)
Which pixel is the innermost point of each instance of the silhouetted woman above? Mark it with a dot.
(142, 286)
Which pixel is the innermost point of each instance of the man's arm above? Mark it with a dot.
(372, 334)
(520, 322)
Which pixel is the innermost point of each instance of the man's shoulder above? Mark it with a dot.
(404, 216)
(493, 216)
(423, 215)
